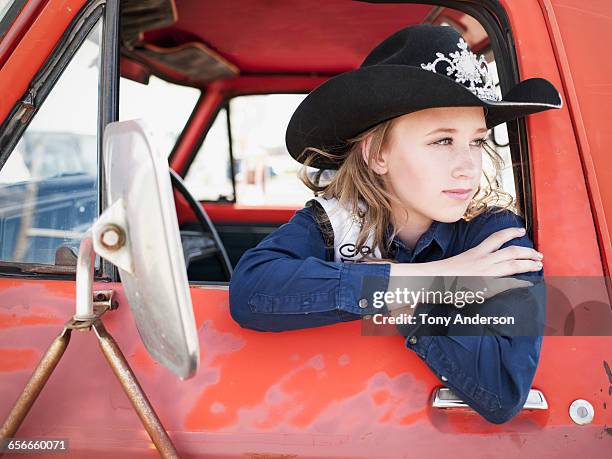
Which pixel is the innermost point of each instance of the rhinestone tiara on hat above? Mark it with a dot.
(465, 67)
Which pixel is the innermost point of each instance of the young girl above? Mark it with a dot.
(406, 134)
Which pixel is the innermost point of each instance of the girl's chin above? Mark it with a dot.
(440, 211)
(449, 219)
(450, 215)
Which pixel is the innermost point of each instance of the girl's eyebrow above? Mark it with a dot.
(453, 131)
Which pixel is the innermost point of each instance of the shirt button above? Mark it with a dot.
(444, 378)
(412, 340)
(363, 303)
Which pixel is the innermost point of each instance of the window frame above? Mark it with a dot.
(13, 127)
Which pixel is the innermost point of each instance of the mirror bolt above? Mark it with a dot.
(112, 237)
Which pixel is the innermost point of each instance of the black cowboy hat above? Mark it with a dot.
(418, 67)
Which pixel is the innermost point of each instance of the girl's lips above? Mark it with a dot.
(459, 195)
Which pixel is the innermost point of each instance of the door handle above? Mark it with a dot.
(446, 398)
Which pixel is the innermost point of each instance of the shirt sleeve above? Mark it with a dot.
(490, 372)
(284, 283)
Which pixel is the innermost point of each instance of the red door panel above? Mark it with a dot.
(326, 392)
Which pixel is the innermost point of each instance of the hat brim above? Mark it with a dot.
(355, 101)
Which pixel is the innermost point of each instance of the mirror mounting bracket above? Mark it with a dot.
(90, 306)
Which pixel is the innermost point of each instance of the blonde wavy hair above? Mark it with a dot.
(356, 181)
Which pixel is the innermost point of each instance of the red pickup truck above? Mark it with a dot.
(217, 81)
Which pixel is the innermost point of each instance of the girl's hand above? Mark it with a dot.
(486, 259)
(485, 263)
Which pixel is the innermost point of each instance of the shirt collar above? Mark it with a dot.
(440, 232)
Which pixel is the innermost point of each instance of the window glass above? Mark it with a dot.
(165, 107)
(210, 176)
(265, 172)
(48, 186)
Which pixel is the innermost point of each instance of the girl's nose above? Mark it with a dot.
(466, 164)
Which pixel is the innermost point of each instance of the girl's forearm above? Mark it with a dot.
(410, 276)
(412, 269)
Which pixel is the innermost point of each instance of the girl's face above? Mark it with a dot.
(432, 162)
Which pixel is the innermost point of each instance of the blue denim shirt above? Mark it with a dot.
(285, 283)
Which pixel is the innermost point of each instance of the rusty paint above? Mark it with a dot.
(269, 456)
(518, 440)
(413, 417)
(608, 371)
(13, 320)
(17, 359)
(609, 374)
(143, 360)
(386, 417)
(35, 384)
(294, 380)
(380, 396)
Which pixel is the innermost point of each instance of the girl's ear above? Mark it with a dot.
(379, 163)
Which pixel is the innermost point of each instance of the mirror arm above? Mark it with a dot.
(84, 279)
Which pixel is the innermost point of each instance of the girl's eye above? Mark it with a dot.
(449, 141)
(444, 141)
